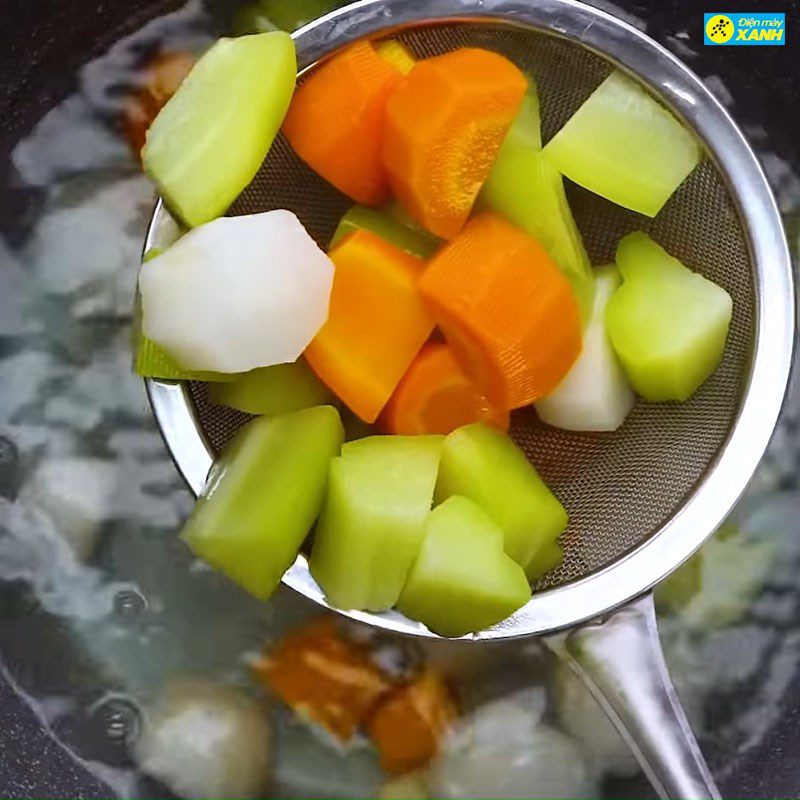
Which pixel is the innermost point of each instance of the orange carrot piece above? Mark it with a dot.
(377, 322)
(435, 396)
(336, 122)
(444, 126)
(324, 676)
(160, 79)
(506, 309)
(409, 724)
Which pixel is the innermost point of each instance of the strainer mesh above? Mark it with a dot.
(619, 488)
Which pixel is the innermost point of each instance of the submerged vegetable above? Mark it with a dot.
(379, 493)
(528, 191)
(503, 749)
(262, 497)
(204, 740)
(667, 324)
(237, 293)
(409, 724)
(595, 395)
(272, 390)
(622, 144)
(444, 126)
(435, 396)
(506, 309)
(411, 240)
(209, 140)
(377, 323)
(484, 465)
(161, 77)
(336, 121)
(462, 580)
(324, 676)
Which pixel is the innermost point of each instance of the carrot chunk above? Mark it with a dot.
(377, 322)
(506, 310)
(336, 121)
(324, 677)
(435, 396)
(444, 126)
(407, 726)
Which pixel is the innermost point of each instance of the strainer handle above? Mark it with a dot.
(621, 663)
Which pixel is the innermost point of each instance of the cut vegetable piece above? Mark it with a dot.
(324, 676)
(595, 395)
(411, 786)
(336, 122)
(526, 130)
(409, 724)
(444, 126)
(484, 465)
(544, 560)
(462, 581)
(397, 54)
(668, 324)
(435, 396)
(623, 145)
(376, 326)
(263, 495)
(152, 361)
(209, 140)
(506, 309)
(379, 494)
(237, 293)
(528, 191)
(413, 241)
(174, 742)
(271, 391)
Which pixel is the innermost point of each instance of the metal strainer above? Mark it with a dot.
(643, 499)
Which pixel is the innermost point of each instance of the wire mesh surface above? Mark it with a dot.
(618, 488)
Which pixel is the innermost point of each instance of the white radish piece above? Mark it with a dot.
(237, 293)
(503, 750)
(204, 740)
(595, 395)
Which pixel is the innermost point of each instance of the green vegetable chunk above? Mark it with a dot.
(414, 241)
(263, 495)
(667, 324)
(623, 145)
(209, 140)
(484, 465)
(462, 581)
(545, 560)
(528, 191)
(271, 391)
(379, 494)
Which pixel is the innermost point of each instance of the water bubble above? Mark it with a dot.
(129, 603)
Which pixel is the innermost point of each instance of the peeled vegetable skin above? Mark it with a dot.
(237, 293)
(379, 493)
(668, 325)
(623, 145)
(486, 466)
(263, 495)
(462, 581)
(595, 395)
(210, 139)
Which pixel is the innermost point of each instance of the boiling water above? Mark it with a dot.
(101, 604)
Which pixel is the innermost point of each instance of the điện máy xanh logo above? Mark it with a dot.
(721, 28)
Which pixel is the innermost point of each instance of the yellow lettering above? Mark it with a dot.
(741, 35)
